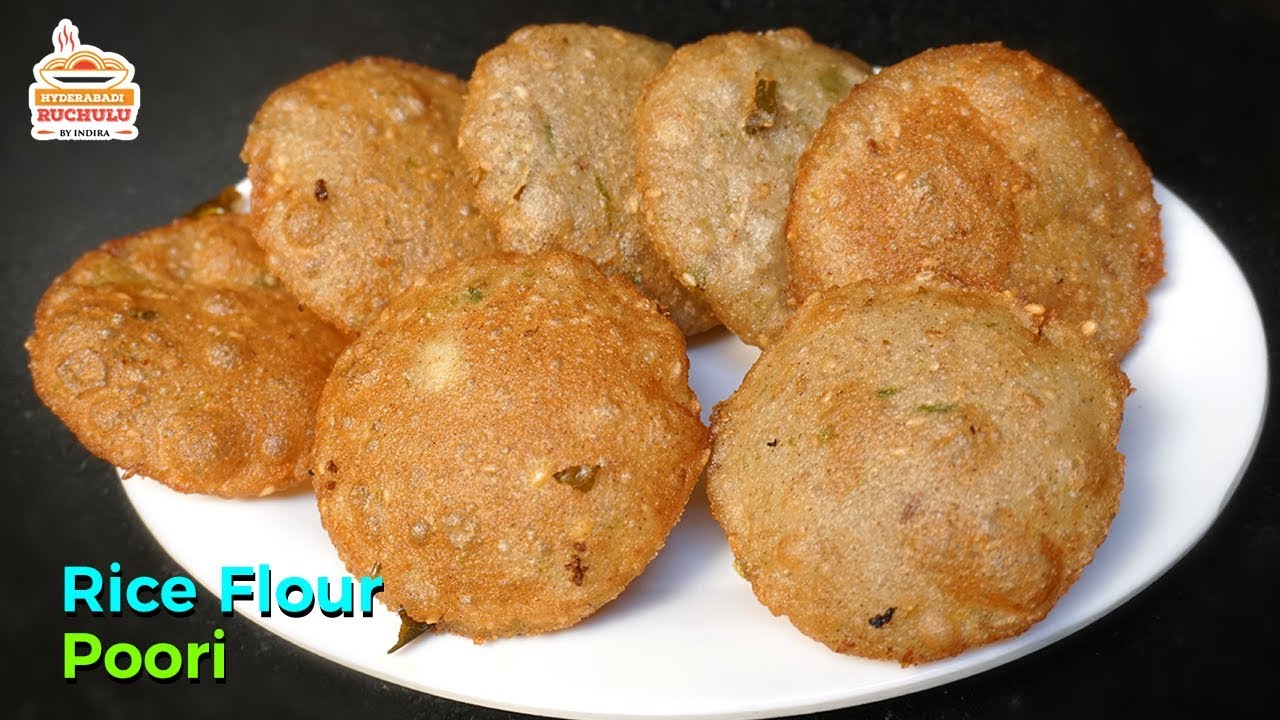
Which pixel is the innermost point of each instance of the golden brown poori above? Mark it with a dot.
(358, 186)
(718, 134)
(986, 166)
(548, 133)
(509, 444)
(921, 461)
(176, 354)
(911, 471)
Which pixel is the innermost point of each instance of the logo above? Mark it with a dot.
(82, 92)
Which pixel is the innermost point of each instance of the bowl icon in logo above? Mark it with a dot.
(84, 69)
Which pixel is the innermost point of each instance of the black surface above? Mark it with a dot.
(1194, 86)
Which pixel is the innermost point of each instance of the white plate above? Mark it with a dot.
(688, 638)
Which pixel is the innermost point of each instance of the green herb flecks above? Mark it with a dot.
(833, 82)
(886, 392)
(266, 281)
(115, 272)
(578, 477)
(936, 407)
(764, 106)
(827, 434)
(604, 191)
(221, 204)
(473, 295)
(410, 630)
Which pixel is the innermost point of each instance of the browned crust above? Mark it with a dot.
(713, 194)
(442, 430)
(358, 187)
(945, 453)
(175, 354)
(548, 134)
(987, 166)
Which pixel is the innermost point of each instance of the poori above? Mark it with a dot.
(176, 354)
(358, 187)
(548, 133)
(911, 471)
(988, 167)
(509, 444)
(718, 134)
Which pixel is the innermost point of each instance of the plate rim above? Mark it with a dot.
(835, 700)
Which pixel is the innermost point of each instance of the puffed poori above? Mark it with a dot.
(990, 168)
(175, 354)
(508, 444)
(358, 187)
(911, 471)
(548, 134)
(718, 134)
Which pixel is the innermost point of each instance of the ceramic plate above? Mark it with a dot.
(688, 638)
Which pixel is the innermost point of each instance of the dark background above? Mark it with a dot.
(1194, 85)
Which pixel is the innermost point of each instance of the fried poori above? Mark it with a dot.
(988, 167)
(509, 444)
(175, 354)
(548, 134)
(718, 134)
(910, 471)
(358, 186)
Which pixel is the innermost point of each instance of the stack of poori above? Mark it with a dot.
(458, 311)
